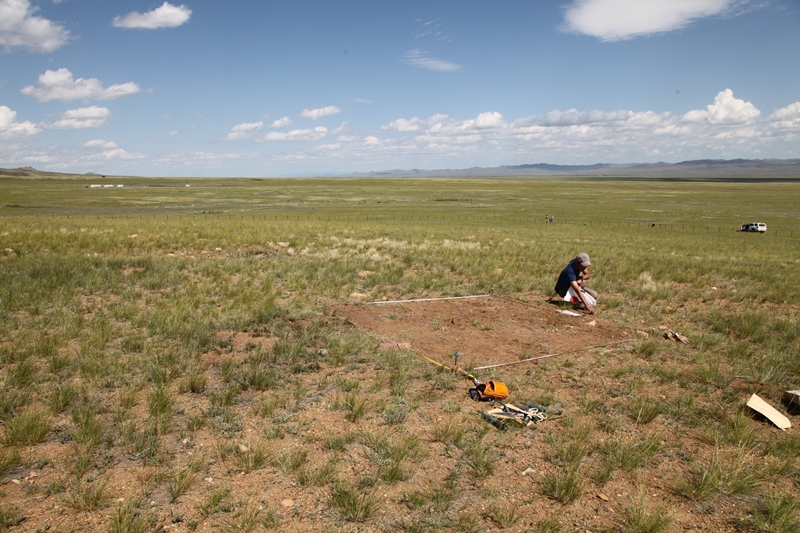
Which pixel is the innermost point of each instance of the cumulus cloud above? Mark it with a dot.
(166, 16)
(726, 109)
(729, 127)
(84, 117)
(99, 152)
(489, 120)
(785, 120)
(114, 153)
(281, 122)
(11, 129)
(298, 135)
(60, 85)
(415, 123)
(98, 143)
(614, 20)
(574, 117)
(19, 27)
(404, 124)
(243, 131)
(790, 112)
(420, 59)
(320, 112)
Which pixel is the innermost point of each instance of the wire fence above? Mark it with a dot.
(684, 227)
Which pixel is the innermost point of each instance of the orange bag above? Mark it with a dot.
(491, 390)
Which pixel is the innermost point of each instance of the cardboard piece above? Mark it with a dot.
(757, 404)
(791, 400)
(792, 397)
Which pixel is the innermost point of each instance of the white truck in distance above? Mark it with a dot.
(759, 227)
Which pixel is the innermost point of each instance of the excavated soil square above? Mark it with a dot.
(485, 330)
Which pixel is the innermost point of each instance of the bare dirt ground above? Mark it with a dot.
(587, 368)
(485, 330)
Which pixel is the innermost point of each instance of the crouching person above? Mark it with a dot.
(571, 284)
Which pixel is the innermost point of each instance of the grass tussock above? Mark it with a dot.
(354, 504)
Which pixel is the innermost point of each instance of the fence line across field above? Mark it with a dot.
(495, 218)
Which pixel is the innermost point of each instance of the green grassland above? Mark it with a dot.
(119, 307)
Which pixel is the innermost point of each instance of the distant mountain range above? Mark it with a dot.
(701, 169)
(709, 169)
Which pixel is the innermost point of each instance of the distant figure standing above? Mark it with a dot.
(552, 218)
(573, 277)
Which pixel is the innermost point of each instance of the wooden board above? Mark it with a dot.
(759, 405)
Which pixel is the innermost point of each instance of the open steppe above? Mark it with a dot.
(250, 354)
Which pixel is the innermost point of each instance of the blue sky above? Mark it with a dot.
(277, 88)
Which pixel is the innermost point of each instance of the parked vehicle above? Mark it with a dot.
(759, 227)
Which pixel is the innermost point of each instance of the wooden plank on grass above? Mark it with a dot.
(772, 414)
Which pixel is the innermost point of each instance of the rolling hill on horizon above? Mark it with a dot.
(712, 169)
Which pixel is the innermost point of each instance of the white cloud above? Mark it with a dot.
(19, 27)
(419, 58)
(785, 120)
(243, 131)
(614, 20)
(298, 135)
(60, 85)
(320, 112)
(84, 117)
(404, 124)
(166, 16)
(729, 127)
(489, 120)
(790, 112)
(431, 29)
(573, 117)
(10, 129)
(414, 123)
(726, 109)
(281, 122)
(115, 153)
(98, 143)
(98, 154)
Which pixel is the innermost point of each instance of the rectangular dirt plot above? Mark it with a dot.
(486, 330)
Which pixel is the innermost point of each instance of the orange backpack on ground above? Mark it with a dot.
(491, 390)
